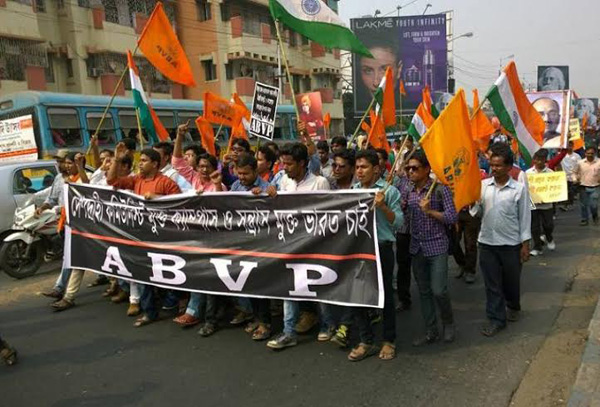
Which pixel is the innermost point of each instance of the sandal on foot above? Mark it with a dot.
(362, 351)
(8, 354)
(262, 332)
(207, 329)
(251, 327)
(388, 351)
(143, 321)
(491, 330)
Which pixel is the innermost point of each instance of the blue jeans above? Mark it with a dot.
(208, 302)
(149, 301)
(245, 304)
(588, 200)
(291, 314)
(63, 280)
(431, 275)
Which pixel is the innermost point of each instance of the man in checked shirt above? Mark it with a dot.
(429, 217)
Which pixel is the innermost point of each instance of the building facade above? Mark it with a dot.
(79, 46)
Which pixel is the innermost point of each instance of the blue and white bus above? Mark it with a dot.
(65, 120)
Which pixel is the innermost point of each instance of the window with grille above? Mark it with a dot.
(210, 70)
(203, 10)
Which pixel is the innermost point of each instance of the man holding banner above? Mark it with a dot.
(389, 219)
(543, 214)
(149, 183)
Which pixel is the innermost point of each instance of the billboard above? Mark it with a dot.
(554, 107)
(311, 113)
(552, 77)
(414, 46)
(587, 106)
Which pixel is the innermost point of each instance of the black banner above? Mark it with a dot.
(264, 108)
(300, 246)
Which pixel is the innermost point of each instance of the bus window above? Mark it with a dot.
(284, 122)
(107, 134)
(168, 120)
(65, 128)
(129, 126)
(194, 134)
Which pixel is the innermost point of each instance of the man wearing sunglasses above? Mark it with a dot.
(430, 211)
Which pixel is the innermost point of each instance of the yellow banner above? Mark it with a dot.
(548, 187)
(574, 129)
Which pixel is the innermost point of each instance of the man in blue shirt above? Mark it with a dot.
(248, 180)
(389, 218)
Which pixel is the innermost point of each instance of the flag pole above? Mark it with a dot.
(364, 116)
(287, 69)
(139, 124)
(478, 108)
(110, 102)
(431, 189)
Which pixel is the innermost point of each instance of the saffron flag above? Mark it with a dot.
(314, 20)
(160, 45)
(377, 137)
(327, 120)
(449, 147)
(386, 102)
(420, 123)
(241, 130)
(220, 111)
(481, 127)
(515, 112)
(402, 88)
(148, 117)
(207, 135)
(365, 126)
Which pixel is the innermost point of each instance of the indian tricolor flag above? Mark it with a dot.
(314, 20)
(421, 122)
(148, 117)
(516, 113)
(428, 102)
(386, 101)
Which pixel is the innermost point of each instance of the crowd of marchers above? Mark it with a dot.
(418, 229)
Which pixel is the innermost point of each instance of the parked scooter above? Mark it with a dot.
(34, 241)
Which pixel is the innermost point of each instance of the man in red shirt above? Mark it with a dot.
(149, 183)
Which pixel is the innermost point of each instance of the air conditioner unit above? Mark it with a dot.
(94, 72)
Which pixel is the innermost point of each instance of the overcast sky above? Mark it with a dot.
(537, 32)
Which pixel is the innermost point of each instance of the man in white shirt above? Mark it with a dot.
(568, 164)
(294, 158)
(542, 217)
(325, 162)
(165, 149)
(503, 240)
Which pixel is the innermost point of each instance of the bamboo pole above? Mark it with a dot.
(110, 102)
(139, 124)
(364, 116)
(431, 188)
(287, 69)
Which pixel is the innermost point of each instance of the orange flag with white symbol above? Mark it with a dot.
(161, 47)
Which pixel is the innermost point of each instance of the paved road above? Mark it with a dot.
(92, 356)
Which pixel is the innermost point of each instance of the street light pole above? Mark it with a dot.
(450, 61)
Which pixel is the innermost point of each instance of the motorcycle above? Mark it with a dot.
(35, 240)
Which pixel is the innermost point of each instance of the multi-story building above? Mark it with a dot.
(79, 46)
